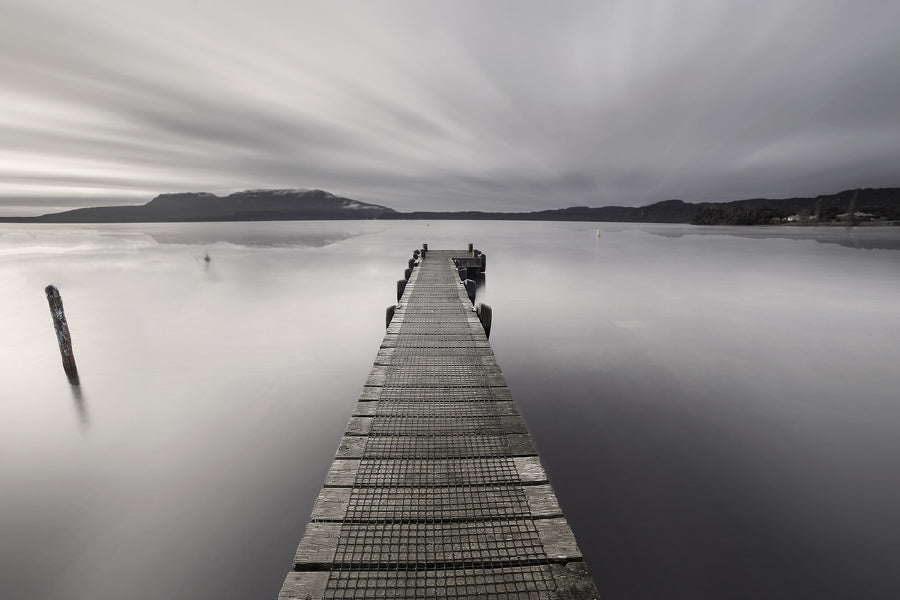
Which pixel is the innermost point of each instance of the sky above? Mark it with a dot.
(446, 105)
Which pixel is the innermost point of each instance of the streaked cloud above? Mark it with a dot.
(451, 105)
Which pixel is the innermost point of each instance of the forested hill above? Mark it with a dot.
(873, 204)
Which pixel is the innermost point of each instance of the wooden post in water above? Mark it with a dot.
(62, 333)
(470, 289)
(389, 315)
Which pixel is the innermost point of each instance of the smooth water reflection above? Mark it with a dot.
(717, 412)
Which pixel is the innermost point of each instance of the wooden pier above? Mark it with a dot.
(436, 490)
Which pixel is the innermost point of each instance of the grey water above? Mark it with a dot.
(717, 408)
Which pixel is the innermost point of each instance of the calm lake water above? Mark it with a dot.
(717, 408)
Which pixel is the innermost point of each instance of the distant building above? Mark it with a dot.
(860, 216)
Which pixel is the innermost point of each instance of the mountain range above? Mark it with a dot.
(302, 204)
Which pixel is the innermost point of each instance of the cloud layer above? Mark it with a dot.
(457, 105)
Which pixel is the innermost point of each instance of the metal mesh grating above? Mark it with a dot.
(526, 583)
(436, 472)
(386, 408)
(437, 503)
(437, 508)
(425, 425)
(439, 395)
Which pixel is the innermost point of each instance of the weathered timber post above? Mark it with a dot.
(389, 315)
(472, 249)
(62, 333)
(401, 286)
(470, 290)
(424, 250)
(484, 313)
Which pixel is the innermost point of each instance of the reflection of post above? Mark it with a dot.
(62, 333)
(80, 406)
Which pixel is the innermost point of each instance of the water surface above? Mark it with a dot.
(716, 408)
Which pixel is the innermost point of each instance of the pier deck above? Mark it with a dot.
(436, 490)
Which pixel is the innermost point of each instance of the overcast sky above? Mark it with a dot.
(451, 105)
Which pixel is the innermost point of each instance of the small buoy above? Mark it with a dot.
(207, 258)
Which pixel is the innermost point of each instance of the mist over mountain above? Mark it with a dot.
(302, 204)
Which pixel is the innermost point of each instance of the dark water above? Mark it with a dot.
(717, 409)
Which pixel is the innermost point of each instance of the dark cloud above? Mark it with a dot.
(457, 105)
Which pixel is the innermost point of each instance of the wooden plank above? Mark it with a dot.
(351, 447)
(573, 582)
(306, 585)
(376, 375)
(385, 354)
(557, 540)
(365, 409)
(359, 426)
(530, 469)
(370, 394)
(316, 549)
(436, 472)
(542, 501)
(532, 582)
(331, 505)
(342, 473)
(516, 444)
(436, 503)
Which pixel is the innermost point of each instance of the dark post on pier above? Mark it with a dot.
(436, 490)
(62, 333)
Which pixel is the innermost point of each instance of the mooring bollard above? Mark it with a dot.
(401, 286)
(407, 273)
(470, 289)
(389, 315)
(463, 273)
(62, 333)
(484, 313)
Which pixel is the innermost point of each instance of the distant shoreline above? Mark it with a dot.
(869, 207)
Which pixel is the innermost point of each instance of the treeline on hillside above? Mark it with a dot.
(738, 215)
(880, 204)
